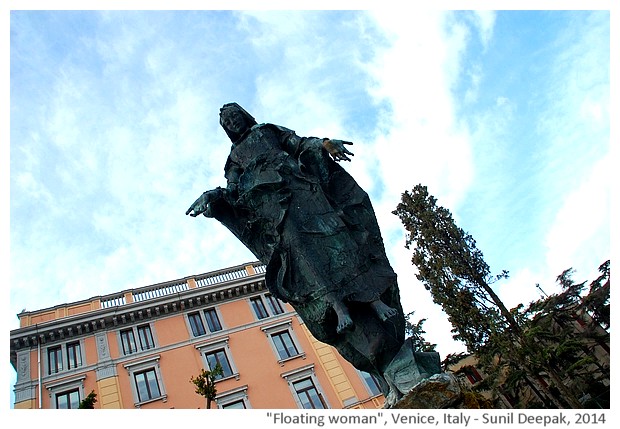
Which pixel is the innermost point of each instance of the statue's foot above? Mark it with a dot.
(383, 311)
(345, 323)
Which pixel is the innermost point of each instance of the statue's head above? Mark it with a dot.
(235, 121)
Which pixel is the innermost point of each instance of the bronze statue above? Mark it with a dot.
(302, 215)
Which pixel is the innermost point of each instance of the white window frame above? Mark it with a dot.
(136, 336)
(362, 375)
(264, 300)
(300, 374)
(151, 331)
(203, 319)
(278, 301)
(219, 344)
(65, 385)
(142, 365)
(189, 325)
(58, 351)
(234, 395)
(80, 357)
(286, 325)
(220, 319)
(64, 356)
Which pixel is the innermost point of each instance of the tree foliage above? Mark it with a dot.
(416, 332)
(452, 268)
(568, 328)
(537, 347)
(89, 401)
(596, 302)
(205, 383)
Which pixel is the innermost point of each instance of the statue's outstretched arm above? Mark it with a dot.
(293, 144)
(337, 150)
(201, 205)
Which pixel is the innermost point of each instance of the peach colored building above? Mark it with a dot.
(138, 348)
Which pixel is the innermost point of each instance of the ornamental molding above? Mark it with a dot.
(66, 381)
(102, 320)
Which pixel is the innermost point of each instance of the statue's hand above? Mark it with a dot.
(202, 203)
(337, 150)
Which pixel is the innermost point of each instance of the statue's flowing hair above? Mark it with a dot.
(234, 137)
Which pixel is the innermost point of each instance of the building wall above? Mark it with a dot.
(259, 376)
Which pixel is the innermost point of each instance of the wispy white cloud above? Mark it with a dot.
(577, 160)
(546, 149)
(125, 135)
(579, 233)
(484, 20)
(422, 139)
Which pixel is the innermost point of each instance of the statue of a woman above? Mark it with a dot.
(307, 220)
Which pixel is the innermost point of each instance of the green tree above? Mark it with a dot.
(205, 383)
(569, 326)
(416, 333)
(89, 401)
(453, 269)
(597, 300)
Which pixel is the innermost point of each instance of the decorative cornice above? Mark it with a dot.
(106, 371)
(132, 313)
(282, 324)
(211, 343)
(71, 380)
(309, 369)
(24, 393)
(148, 360)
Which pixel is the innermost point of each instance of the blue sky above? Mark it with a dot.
(114, 132)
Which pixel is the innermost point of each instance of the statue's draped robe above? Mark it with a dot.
(314, 228)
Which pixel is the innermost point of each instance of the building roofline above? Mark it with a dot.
(213, 289)
(134, 291)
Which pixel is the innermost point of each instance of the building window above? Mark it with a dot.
(147, 385)
(305, 388)
(216, 357)
(213, 322)
(472, 374)
(218, 352)
(67, 392)
(284, 344)
(146, 340)
(237, 405)
(54, 359)
(273, 308)
(145, 337)
(236, 398)
(259, 307)
(308, 394)
(274, 304)
(68, 399)
(197, 323)
(56, 355)
(74, 355)
(146, 381)
(283, 341)
(128, 341)
(371, 382)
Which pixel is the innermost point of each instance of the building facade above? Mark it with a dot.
(139, 348)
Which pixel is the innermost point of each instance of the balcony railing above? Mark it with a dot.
(113, 301)
(164, 289)
(157, 291)
(146, 293)
(220, 277)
